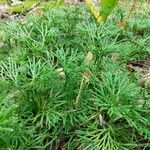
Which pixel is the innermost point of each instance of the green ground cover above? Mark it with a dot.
(65, 83)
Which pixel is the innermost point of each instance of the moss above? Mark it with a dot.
(23, 7)
(4, 1)
(48, 5)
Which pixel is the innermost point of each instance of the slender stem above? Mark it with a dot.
(79, 93)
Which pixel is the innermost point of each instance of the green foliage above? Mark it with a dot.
(106, 8)
(41, 67)
(4, 1)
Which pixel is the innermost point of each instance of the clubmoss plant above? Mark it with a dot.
(42, 65)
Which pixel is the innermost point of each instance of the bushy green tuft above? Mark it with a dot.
(41, 70)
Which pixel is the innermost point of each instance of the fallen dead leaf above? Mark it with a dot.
(87, 74)
(1, 44)
(61, 72)
(141, 102)
(100, 119)
(145, 80)
(36, 10)
(89, 57)
(142, 68)
(23, 20)
(121, 24)
(115, 56)
(13, 43)
(133, 65)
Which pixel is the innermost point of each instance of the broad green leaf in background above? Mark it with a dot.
(94, 10)
(106, 8)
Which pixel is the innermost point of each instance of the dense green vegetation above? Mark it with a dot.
(42, 62)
